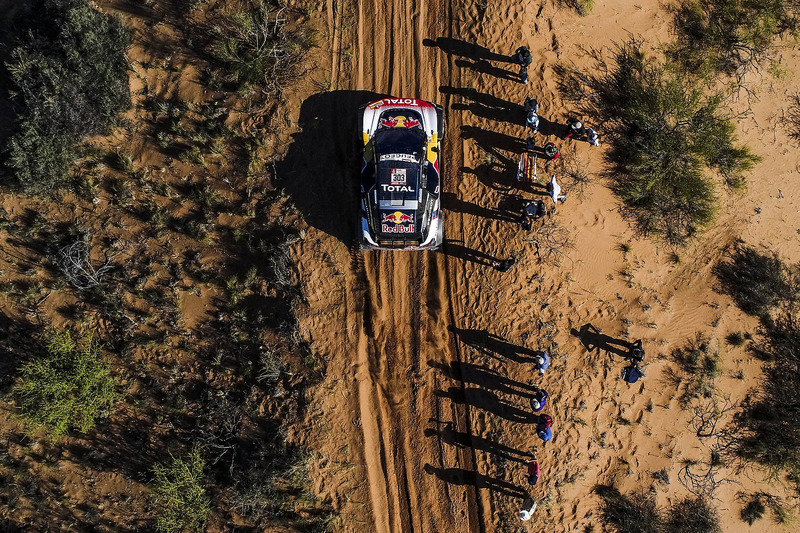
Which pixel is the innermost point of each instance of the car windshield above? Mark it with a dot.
(393, 141)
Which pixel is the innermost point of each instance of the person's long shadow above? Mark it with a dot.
(548, 127)
(500, 174)
(487, 401)
(451, 437)
(453, 203)
(593, 339)
(457, 47)
(493, 345)
(491, 140)
(467, 254)
(484, 377)
(320, 170)
(485, 99)
(492, 113)
(460, 476)
(482, 66)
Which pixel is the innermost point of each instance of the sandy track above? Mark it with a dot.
(400, 303)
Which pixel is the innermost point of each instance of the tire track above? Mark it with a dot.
(401, 311)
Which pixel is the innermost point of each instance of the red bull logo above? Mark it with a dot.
(397, 217)
(400, 122)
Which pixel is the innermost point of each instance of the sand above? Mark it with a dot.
(418, 428)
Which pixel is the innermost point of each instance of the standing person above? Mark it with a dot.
(555, 191)
(532, 211)
(522, 56)
(534, 470)
(636, 352)
(542, 361)
(631, 373)
(551, 151)
(528, 507)
(574, 128)
(592, 137)
(543, 430)
(539, 400)
(504, 265)
(531, 113)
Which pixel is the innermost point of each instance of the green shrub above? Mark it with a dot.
(692, 515)
(753, 511)
(629, 514)
(69, 388)
(665, 135)
(256, 49)
(729, 36)
(700, 363)
(180, 499)
(68, 74)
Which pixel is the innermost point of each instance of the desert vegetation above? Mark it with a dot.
(179, 495)
(189, 406)
(69, 386)
(68, 79)
(256, 49)
(638, 513)
(767, 425)
(729, 37)
(669, 138)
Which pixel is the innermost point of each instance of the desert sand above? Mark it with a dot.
(420, 428)
(422, 421)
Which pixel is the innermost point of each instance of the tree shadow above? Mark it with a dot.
(593, 339)
(450, 436)
(487, 401)
(463, 477)
(320, 171)
(493, 345)
(454, 204)
(481, 66)
(484, 377)
(467, 254)
(457, 47)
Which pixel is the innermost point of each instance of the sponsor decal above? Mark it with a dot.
(393, 101)
(400, 121)
(385, 228)
(398, 176)
(405, 158)
(398, 217)
(396, 188)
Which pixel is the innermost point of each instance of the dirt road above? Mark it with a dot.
(400, 302)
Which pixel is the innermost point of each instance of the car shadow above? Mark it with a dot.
(321, 169)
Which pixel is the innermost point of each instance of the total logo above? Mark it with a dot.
(393, 101)
(398, 217)
(396, 188)
(399, 122)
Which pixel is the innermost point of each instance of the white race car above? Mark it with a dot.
(400, 175)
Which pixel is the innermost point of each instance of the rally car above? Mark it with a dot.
(400, 175)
